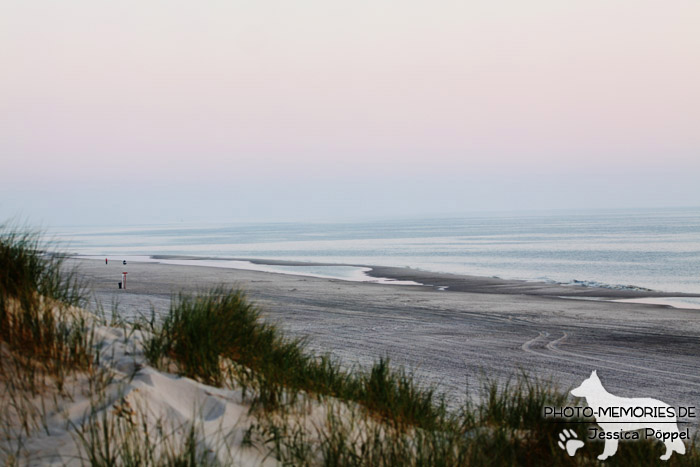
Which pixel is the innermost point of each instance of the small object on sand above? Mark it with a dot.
(120, 284)
(124, 262)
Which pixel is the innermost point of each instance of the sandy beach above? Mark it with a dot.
(478, 326)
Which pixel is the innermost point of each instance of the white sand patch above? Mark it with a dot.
(155, 411)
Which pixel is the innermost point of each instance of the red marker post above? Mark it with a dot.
(124, 280)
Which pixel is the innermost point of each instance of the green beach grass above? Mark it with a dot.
(40, 324)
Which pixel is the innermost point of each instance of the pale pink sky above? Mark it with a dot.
(208, 92)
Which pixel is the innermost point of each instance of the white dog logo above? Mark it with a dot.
(620, 414)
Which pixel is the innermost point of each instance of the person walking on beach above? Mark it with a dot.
(105, 260)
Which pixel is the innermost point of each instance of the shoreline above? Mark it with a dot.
(441, 281)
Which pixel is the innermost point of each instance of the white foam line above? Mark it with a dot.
(675, 302)
(688, 303)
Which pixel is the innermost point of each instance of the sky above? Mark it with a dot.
(154, 111)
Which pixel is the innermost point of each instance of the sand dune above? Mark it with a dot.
(131, 399)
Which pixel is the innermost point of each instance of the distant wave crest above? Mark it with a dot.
(608, 286)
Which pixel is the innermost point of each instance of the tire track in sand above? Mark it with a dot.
(559, 354)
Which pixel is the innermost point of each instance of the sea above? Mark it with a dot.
(651, 249)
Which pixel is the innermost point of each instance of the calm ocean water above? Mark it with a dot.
(657, 249)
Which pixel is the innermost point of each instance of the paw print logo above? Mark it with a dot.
(569, 441)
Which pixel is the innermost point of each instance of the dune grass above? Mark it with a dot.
(39, 324)
(27, 267)
(505, 429)
(121, 438)
(45, 340)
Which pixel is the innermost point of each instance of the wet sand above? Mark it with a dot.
(478, 326)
